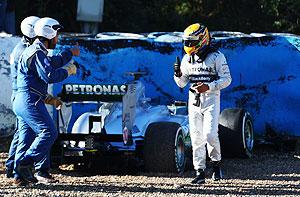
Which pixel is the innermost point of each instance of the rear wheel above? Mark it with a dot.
(236, 133)
(164, 148)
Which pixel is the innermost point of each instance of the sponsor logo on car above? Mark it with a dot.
(102, 89)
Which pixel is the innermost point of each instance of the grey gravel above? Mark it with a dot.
(268, 173)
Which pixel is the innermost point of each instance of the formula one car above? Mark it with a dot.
(127, 126)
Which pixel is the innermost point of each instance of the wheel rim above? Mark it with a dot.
(179, 152)
(248, 133)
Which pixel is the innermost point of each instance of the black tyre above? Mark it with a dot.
(236, 133)
(164, 148)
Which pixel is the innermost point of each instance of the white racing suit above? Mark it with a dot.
(203, 119)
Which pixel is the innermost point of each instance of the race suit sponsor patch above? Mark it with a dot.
(46, 62)
(202, 78)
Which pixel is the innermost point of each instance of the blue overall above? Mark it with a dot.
(14, 58)
(35, 72)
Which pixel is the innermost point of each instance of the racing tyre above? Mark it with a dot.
(236, 133)
(164, 148)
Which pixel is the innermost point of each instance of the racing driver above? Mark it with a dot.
(207, 71)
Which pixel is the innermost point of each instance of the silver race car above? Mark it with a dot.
(126, 126)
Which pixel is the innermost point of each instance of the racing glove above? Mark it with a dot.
(199, 87)
(177, 71)
(51, 100)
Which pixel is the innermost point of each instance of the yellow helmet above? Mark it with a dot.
(195, 37)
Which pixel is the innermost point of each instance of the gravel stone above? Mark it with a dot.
(268, 173)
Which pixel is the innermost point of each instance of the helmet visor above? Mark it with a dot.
(190, 43)
(57, 27)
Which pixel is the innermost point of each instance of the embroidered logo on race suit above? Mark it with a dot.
(202, 69)
(203, 78)
(46, 62)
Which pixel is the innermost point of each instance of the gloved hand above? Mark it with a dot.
(177, 71)
(71, 68)
(200, 87)
(51, 100)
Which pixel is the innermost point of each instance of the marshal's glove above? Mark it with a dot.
(51, 100)
(177, 71)
(71, 68)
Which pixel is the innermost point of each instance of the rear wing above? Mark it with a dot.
(93, 92)
(106, 93)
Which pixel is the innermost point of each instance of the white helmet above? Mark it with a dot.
(27, 26)
(47, 28)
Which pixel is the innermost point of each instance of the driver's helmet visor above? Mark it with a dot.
(191, 41)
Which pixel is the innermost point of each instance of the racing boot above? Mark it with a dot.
(217, 172)
(45, 177)
(25, 173)
(200, 177)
